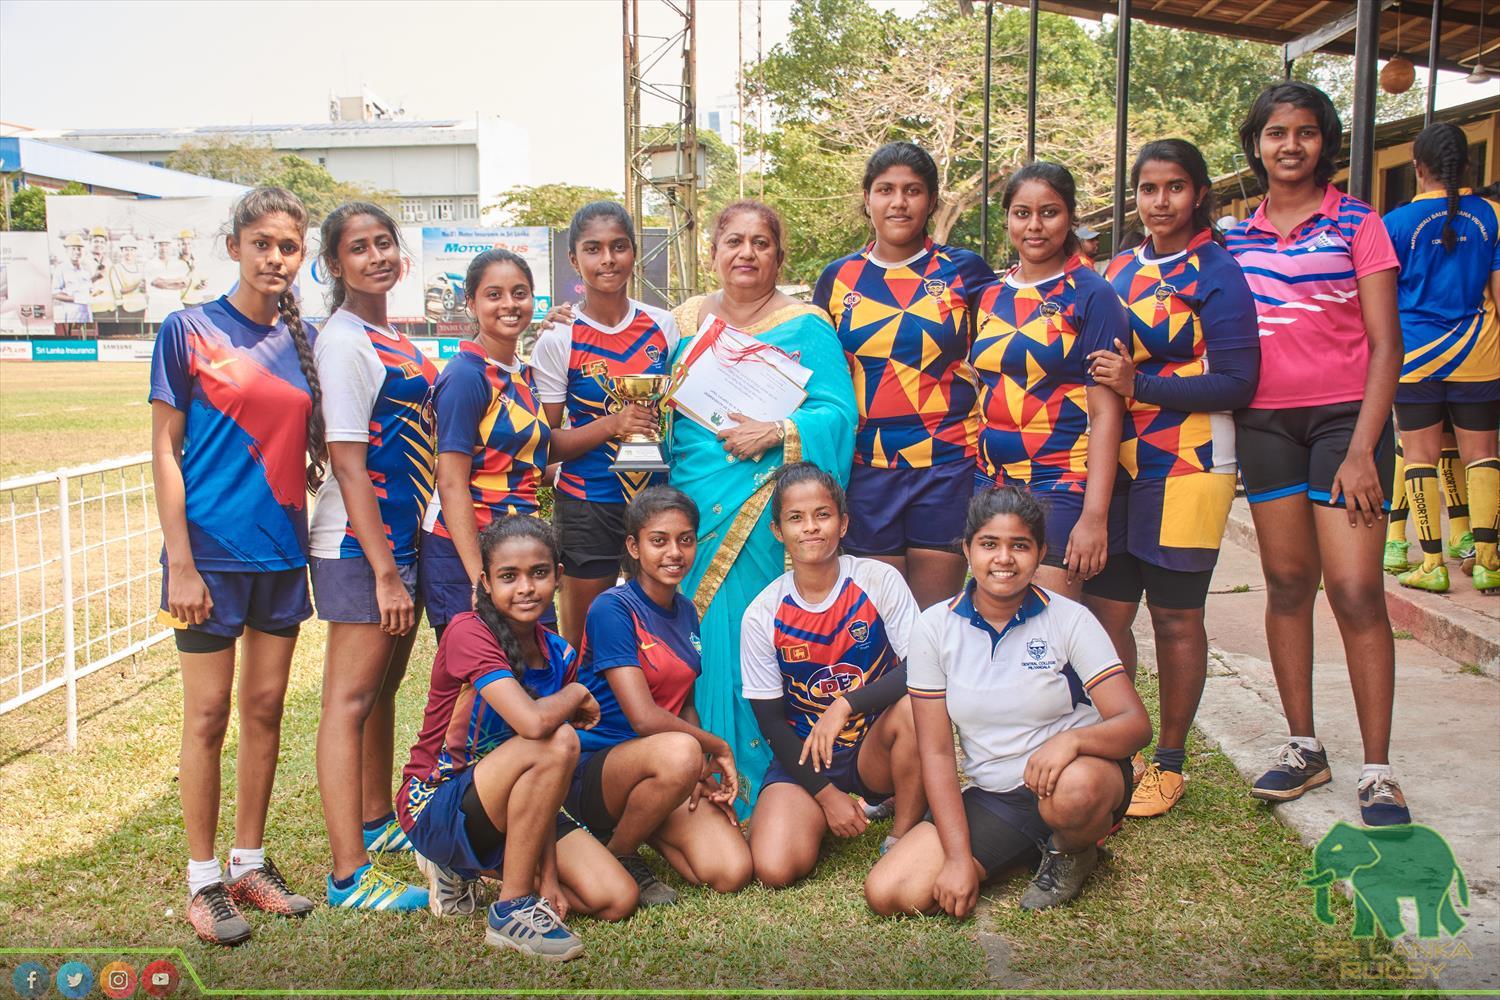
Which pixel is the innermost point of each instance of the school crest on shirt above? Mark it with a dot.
(1164, 292)
(935, 286)
(859, 631)
(1036, 654)
(653, 352)
(852, 299)
(1051, 309)
(798, 653)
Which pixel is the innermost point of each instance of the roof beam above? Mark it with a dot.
(1319, 37)
(1415, 8)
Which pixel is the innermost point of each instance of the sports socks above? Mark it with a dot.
(1455, 496)
(381, 823)
(1484, 495)
(1307, 743)
(1170, 759)
(1376, 771)
(202, 873)
(1395, 529)
(245, 859)
(1421, 490)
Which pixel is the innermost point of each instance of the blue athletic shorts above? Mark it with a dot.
(844, 773)
(439, 833)
(1469, 406)
(344, 589)
(443, 583)
(892, 510)
(271, 601)
(1005, 826)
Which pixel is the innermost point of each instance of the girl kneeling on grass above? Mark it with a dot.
(646, 771)
(235, 407)
(491, 766)
(1046, 715)
(822, 655)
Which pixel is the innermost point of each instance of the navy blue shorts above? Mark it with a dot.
(892, 510)
(1470, 406)
(1064, 508)
(443, 583)
(272, 601)
(844, 773)
(440, 832)
(344, 589)
(1298, 450)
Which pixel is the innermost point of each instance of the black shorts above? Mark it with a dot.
(585, 800)
(1469, 406)
(1298, 450)
(592, 537)
(1126, 577)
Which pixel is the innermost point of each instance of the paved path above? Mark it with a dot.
(1446, 742)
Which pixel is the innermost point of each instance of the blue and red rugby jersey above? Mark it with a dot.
(244, 453)
(906, 330)
(625, 628)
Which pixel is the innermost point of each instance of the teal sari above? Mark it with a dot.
(737, 554)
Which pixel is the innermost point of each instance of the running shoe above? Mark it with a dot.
(215, 917)
(1434, 580)
(373, 889)
(884, 809)
(1485, 578)
(654, 892)
(389, 839)
(1295, 771)
(1156, 792)
(887, 844)
(1059, 878)
(531, 927)
(1381, 802)
(449, 893)
(1461, 547)
(1395, 560)
(264, 889)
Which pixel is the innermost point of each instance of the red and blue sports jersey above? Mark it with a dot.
(377, 390)
(1180, 306)
(1031, 348)
(491, 413)
(906, 331)
(244, 452)
(1313, 346)
(1449, 327)
(566, 359)
(458, 726)
(809, 654)
(625, 628)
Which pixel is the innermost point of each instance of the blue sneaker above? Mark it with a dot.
(530, 926)
(388, 839)
(373, 889)
(1381, 802)
(1296, 770)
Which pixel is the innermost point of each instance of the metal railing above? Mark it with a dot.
(80, 569)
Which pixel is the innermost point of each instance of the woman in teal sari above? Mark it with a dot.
(729, 475)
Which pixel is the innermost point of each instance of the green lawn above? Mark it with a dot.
(54, 414)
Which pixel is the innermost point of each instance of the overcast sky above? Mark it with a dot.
(551, 66)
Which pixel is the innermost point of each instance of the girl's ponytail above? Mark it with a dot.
(317, 446)
(1443, 149)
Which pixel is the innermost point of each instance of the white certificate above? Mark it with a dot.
(729, 371)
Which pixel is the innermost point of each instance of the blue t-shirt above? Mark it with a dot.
(625, 628)
(1449, 328)
(244, 451)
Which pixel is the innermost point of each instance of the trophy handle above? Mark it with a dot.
(616, 401)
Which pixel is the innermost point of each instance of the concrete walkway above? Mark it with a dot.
(1445, 747)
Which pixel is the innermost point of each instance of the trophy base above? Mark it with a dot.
(639, 456)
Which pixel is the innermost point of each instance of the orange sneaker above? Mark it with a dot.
(1155, 793)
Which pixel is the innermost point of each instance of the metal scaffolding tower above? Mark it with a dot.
(664, 166)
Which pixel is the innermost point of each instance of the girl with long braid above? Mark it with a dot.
(1448, 242)
(237, 446)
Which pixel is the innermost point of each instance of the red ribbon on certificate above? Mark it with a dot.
(709, 339)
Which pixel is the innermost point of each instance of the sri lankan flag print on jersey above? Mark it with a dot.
(905, 329)
(1031, 345)
(829, 653)
(641, 348)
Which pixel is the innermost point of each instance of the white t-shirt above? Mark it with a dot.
(553, 352)
(1009, 692)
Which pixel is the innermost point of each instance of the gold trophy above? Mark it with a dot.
(638, 452)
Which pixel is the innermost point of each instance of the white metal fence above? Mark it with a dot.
(81, 575)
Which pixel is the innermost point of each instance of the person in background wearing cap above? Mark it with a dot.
(166, 278)
(195, 291)
(70, 284)
(127, 281)
(1088, 245)
(101, 296)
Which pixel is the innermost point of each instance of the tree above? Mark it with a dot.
(549, 204)
(28, 206)
(255, 164)
(318, 190)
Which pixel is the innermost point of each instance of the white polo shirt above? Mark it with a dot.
(1008, 692)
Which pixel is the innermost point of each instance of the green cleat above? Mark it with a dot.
(1434, 580)
(1486, 579)
(1395, 557)
(1461, 547)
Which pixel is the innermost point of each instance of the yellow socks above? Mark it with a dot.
(1421, 490)
(1455, 496)
(1484, 509)
(1395, 529)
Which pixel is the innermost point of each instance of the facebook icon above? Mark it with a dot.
(29, 979)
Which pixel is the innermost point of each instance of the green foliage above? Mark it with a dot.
(28, 210)
(255, 164)
(549, 204)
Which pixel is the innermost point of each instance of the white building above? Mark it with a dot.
(442, 171)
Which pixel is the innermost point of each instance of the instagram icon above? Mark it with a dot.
(117, 980)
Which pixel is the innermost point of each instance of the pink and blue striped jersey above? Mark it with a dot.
(906, 328)
(491, 413)
(244, 453)
(1031, 348)
(1313, 347)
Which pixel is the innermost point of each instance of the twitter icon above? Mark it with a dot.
(75, 980)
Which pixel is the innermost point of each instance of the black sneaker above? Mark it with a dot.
(1296, 770)
(1381, 802)
(1059, 878)
(654, 892)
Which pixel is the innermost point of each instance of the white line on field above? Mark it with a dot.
(28, 414)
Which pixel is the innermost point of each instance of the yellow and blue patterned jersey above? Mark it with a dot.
(905, 329)
(1030, 353)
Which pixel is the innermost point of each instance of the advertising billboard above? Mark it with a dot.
(403, 304)
(25, 285)
(446, 253)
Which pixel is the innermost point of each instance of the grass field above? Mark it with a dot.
(93, 852)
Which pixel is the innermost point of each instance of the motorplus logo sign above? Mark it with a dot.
(1383, 866)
